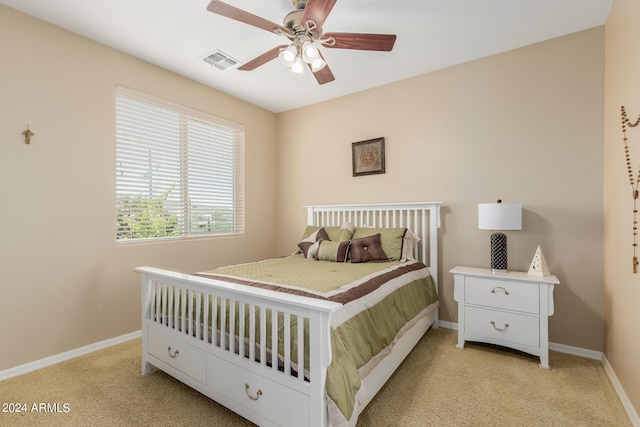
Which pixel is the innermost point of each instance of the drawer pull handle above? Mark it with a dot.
(499, 288)
(506, 326)
(175, 353)
(256, 397)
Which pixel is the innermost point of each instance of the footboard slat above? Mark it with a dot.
(214, 320)
(197, 322)
(274, 337)
(176, 308)
(223, 323)
(190, 312)
(301, 346)
(157, 297)
(232, 325)
(287, 342)
(205, 329)
(263, 336)
(252, 332)
(241, 327)
(163, 292)
(182, 301)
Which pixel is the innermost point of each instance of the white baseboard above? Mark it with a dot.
(576, 351)
(589, 354)
(631, 412)
(67, 355)
(448, 325)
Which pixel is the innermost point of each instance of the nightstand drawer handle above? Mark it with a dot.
(499, 288)
(506, 326)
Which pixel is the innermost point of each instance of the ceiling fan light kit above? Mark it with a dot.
(303, 27)
(300, 52)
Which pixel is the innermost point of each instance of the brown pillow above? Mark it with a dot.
(367, 249)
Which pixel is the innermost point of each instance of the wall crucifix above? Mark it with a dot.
(27, 135)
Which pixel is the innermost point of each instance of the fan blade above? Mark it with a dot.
(232, 12)
(262, 59)
(381, 42)
(317, 11)
(323, 75)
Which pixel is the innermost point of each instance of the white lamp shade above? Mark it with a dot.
(500, 216)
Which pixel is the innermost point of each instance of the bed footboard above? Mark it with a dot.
(219, 338)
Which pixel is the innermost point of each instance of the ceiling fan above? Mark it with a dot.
(303, 28)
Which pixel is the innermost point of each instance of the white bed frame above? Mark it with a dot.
(180, 342)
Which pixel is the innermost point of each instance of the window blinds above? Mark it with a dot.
(179, 171)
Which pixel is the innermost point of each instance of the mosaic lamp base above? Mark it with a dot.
(499, 252)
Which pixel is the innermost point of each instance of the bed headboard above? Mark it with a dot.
(423, 218)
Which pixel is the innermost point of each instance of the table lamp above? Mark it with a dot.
(499, 217)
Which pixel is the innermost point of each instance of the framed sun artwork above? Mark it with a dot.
(367, 157)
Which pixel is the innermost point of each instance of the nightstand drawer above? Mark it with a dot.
(505, 294)
(503, 326)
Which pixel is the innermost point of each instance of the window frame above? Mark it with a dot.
(186, 122)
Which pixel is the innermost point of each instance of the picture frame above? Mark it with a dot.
(367, 157)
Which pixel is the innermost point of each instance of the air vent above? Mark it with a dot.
(220, 60)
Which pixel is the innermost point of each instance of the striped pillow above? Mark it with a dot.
(333, 251)
(309, 246)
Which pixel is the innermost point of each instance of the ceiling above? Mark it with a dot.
(431, 35)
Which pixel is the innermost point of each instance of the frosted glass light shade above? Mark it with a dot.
(318, 64)
(288, 55)
(309, 52)
(298, 66)
(500, 216)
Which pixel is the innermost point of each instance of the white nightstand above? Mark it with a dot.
(511, 309)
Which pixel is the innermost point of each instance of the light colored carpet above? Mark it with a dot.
(438, 385)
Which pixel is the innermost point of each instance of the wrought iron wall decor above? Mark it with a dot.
(634, 180)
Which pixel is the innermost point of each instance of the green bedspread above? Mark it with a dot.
(380, 300)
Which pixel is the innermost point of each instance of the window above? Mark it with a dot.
(179, 171)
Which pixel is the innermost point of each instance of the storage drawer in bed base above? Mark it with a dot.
(178, 354)
(261, 396)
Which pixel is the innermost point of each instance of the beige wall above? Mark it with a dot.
(524, 126)
(622, 286)
(64, 282)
